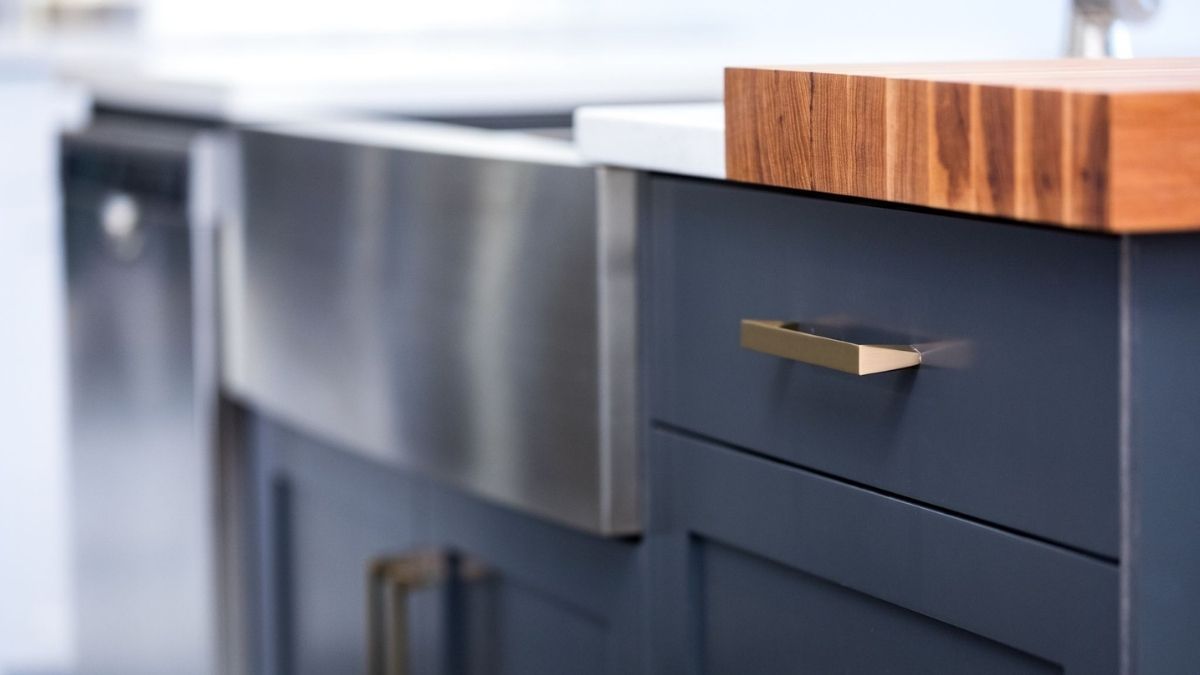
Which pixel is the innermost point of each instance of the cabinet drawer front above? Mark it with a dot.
(1011, 417)
(781, 570)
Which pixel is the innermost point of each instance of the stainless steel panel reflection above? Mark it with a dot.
(441, 311)
(142, 386)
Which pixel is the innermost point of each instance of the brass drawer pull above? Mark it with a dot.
(786, 340)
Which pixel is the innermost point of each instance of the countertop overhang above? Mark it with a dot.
(1106, 146)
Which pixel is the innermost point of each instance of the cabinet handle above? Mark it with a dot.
(389, 583)
(786, 340)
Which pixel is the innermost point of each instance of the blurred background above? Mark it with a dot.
(35, 587)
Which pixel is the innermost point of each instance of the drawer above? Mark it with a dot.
(1012, 415)
(761, 568)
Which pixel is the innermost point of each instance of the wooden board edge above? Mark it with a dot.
(1154, 163)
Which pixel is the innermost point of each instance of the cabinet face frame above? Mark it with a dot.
(1161, 461)
(317, 512)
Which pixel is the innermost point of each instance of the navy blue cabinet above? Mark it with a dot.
(1011, 417)
(1023, 502)
(535, 597)
(549, 599)
(958, 517)
(760, 568)
(323, 517)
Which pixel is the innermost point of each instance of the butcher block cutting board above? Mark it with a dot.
(1102, 145)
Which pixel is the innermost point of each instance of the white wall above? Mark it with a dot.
(1174, 31)
(821, 29)
(820, 22)
(34, 593)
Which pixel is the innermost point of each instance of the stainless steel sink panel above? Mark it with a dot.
(460, 313)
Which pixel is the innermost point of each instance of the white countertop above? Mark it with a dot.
(686, 139)
(438, 138)
(258, 80)
(19, 63)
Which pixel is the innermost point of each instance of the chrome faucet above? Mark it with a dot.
(1098, 27)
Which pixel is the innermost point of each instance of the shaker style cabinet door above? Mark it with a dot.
(537, 598)
(366, 569)
(760, 569)
(324, 516)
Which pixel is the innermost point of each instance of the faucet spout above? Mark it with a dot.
(1099, 28)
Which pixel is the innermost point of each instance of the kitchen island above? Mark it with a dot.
(998, 484)
(491, 399)
(1053, 408)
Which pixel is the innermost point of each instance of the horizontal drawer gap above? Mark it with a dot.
(680, 431)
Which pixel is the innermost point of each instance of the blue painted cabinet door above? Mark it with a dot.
(758, 568)
(549, 599)
(541, 598)
(322, 518)
(958, 519)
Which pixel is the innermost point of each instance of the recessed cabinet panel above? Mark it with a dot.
(324, 602)
(516, 630)
(1011, 416)
(758, 567)
(523, 596)
(765, 618)
(322, 522)
(550, 599)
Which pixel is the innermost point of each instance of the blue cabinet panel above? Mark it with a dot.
(542, 598)
(758, 567)
(1164, 454)
(764, 617)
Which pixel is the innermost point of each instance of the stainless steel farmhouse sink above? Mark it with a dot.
(443, 297)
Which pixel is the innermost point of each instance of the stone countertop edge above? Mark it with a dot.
(680, 138)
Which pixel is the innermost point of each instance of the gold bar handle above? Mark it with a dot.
(786, 340)
(389, 583)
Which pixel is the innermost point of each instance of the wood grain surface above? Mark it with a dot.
(1102, 145)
